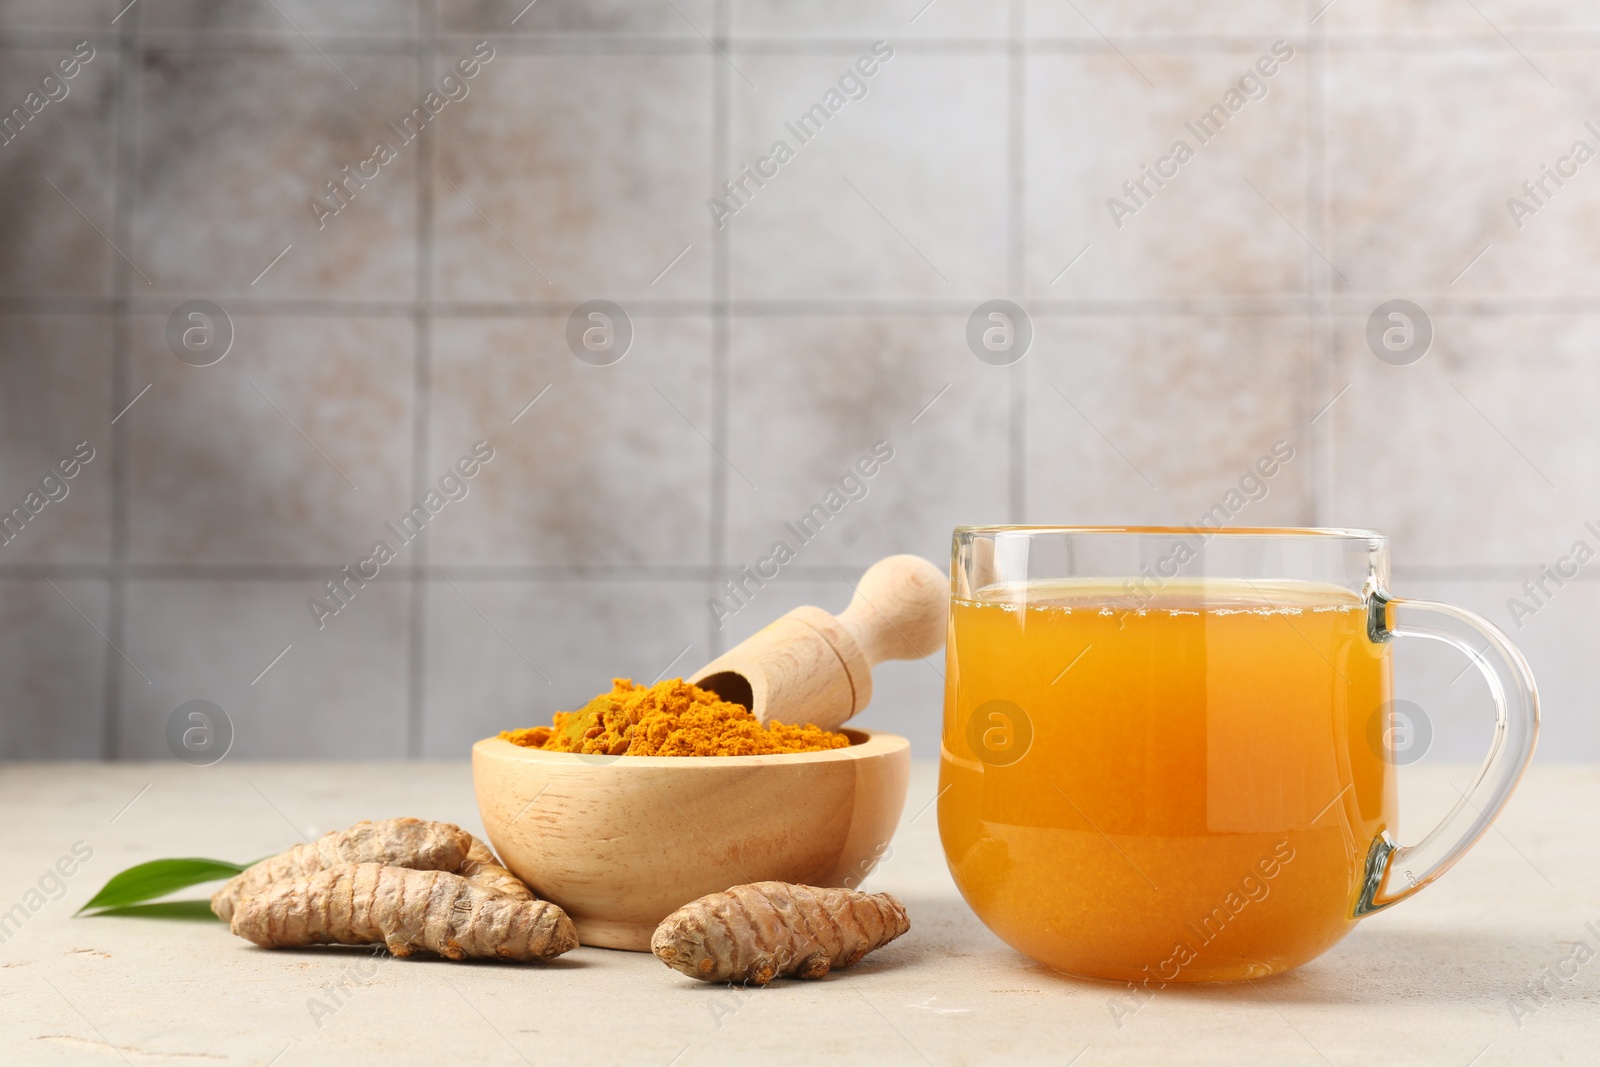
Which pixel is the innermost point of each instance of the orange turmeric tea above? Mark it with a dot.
(1158, 790)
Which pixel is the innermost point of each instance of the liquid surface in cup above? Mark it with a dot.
(1176, 788)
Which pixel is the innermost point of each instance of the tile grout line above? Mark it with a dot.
(422, 395)
(124, 134)
(1373, 41)
(721, 341)
(1319, 289)
(1222, 305)
(1016, 376)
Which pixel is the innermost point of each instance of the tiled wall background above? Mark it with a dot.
(1227, 314)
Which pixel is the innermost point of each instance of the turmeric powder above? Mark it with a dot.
(670, 718)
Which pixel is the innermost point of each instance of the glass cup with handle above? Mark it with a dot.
(1169, 752)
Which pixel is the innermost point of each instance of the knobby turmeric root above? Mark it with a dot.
(413, 843)
(411, 884)
(484, 871)
(753, 933)
(406, 910)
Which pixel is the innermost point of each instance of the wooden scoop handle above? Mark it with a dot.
(810, 666)
(899, 610)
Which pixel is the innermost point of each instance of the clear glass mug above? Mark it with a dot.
(1168, 752)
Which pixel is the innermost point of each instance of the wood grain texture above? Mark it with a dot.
(622, 842)
(899, 609)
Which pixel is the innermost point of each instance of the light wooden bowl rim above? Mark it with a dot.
(873, 743)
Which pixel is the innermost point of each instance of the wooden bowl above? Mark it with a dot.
(622, 842)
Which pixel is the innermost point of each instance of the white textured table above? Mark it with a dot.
(1431, 981)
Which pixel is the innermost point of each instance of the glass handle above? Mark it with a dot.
(1516, 727)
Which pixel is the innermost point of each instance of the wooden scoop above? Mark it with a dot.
(810, 666)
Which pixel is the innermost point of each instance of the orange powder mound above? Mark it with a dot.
(670, 718)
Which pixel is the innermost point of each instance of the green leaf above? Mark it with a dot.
(165, 909)
(158, 878)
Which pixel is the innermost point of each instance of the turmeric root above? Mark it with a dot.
(407, 883)
(484, 871)
(413, 843)
(753, 933)
(406, 910)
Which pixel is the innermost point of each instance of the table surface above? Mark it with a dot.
(1435, 980)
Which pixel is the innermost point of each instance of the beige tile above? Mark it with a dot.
(247, 460)
(1413, 15)
(508, 654)
(1451, 456)
(1489, 21)
(692, 19)
(55, 394)
(907, 695)
(861, 212)
(50, 248)
(893, 20)
(54, 15)
(1159, 420)
(233, 147)
(592, 194)
(337, 692)
(1557, 642)
(1094, 122)
(1267, 19)
(601, 470)
(52, 669)
(810, 397)
(1421, 188)
(382, 18)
